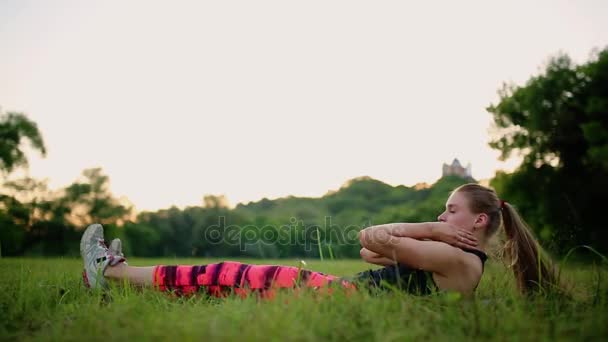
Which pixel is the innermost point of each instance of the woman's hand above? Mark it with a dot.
(375, 258)
(454, 236)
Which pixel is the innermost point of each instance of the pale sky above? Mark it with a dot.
(253, 99)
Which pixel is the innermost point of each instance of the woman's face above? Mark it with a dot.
(457, 212)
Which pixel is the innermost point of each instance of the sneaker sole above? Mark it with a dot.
(86, 236)
(85, 279)
(88, 233)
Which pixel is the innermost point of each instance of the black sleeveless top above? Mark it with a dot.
(404, 278)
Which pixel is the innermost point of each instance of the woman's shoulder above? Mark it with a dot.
(470, 260)
(467, 275)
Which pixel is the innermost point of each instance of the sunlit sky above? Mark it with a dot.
(253, 99)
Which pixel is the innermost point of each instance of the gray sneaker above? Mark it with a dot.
(116, 249)
(96, 257)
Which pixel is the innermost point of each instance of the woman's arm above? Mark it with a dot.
(400, 242)
(375, 258)
(426, 255)
(423, 230)
(437, 231)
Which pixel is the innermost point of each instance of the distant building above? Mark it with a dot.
(456, 169)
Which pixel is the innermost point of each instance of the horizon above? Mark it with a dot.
(231, 205)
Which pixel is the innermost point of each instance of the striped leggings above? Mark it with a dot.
(228, 277)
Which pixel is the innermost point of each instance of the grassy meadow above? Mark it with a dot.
(44, 299)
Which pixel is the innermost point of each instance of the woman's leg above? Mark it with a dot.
(101, 262)
(142, 276)
(238, 278)
(222, 278)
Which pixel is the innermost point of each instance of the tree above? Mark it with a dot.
(15, 128)
(90, 201)
(558, 123)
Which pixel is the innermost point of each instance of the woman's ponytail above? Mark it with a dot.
(533, 269)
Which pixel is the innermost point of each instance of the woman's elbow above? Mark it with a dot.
(363, 253)
(372, 238)
(363, 238)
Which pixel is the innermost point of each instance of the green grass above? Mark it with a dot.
(43, 299)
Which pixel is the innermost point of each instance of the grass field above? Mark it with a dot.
(44, 299)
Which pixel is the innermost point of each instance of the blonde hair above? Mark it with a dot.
(531, 266)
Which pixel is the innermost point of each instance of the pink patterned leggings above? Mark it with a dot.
(227, 277)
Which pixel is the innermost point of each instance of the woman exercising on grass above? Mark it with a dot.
(417, 257)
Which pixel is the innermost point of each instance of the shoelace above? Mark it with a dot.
(114, 259)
